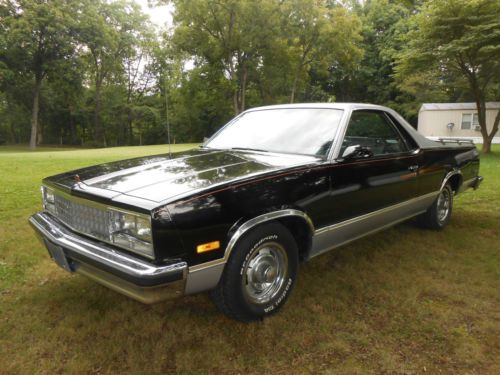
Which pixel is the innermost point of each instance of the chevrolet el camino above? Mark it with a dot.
(276, 186)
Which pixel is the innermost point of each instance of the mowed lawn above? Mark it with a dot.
(403, 301)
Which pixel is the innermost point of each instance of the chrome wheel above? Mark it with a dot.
(443, 205)
(265, 273)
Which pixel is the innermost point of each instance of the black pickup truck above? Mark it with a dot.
(277, 185)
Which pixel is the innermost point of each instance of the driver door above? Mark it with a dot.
(366, 184)
(369, 189)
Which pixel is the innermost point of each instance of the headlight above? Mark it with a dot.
(48, 199)
(131, 231)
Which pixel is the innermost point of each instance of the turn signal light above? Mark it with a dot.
(208, 247)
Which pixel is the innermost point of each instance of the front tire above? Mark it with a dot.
(259, 274)
(439, 214)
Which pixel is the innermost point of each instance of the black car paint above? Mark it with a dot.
(219, 190)
(328, 192)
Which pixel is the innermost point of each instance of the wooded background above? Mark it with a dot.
(99, 73)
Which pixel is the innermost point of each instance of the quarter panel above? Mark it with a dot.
(435, 164)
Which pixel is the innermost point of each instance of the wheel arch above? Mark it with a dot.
(454, 178)
(296, 221)
(206, 276)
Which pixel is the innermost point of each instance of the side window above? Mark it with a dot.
(372, 129)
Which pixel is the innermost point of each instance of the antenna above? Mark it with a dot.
(166, 117)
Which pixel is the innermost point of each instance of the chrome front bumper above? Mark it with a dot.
(138, 279)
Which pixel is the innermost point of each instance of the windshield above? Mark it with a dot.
(308, 131)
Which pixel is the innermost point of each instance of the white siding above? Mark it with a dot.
(433, 123)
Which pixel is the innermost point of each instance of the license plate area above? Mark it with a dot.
(57, 254)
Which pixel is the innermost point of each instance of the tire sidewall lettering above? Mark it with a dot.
(273, 305)
(272, 237)
(280, 299)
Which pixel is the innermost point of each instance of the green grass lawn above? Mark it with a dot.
(403, 301)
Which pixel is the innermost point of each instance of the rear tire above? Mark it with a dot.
(259, 275)
(439, 214)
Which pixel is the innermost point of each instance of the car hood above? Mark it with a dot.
(163, 177)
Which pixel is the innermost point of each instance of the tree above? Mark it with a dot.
(459, 41)
(37, 37)
(139, 76)
(319, 36)
(372, 78)
(110, 32)
(230, 35)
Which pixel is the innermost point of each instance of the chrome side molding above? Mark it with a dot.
(336, 235)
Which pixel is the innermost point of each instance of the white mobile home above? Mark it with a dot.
(455, 120)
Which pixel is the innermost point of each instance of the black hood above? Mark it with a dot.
(161, 177)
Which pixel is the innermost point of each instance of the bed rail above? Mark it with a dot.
(456, 140)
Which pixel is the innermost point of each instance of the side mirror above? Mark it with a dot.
(357, 152)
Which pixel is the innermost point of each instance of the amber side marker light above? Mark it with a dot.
(208, 247)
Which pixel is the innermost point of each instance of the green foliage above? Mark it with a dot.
(371, 80)
(267, 49)
(454, 43)
(36, 41)
(115, 35)
(96, 72)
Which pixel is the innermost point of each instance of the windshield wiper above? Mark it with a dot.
(248, 149)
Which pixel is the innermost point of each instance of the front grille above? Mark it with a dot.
(83, 218)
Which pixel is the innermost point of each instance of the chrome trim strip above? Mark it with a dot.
(374, 213)
(99, 253)
(88, 202)
(375, 230)
(206, 265)
(449, 175)
(340, 134)
(333, 236)
(245, 227)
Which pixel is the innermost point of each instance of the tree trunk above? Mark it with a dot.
(486, 147)
(480, 100)
(129, 127)
(98, 131)
(490, 137)
(39, 138)
(235, 102)
(294, 88)
(481, 116)
(243, 89)
(298, 71)
(35, 110)
(72, 127)
(12, 134)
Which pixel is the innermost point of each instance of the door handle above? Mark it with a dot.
(413, 168)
